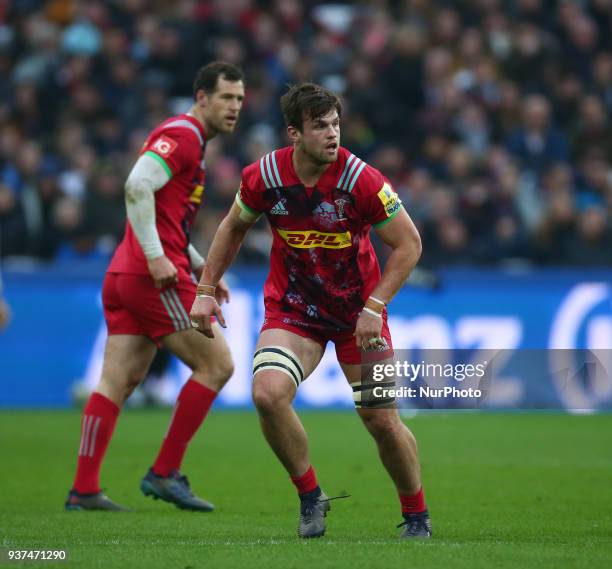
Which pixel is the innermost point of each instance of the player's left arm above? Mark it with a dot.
(402, 236)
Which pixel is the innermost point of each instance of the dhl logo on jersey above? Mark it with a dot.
(389, 199)
(196, 195)
(311, 239)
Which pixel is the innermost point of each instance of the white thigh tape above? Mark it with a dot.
(280, 359)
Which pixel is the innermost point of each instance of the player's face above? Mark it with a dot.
(223, 105)
(320, 138)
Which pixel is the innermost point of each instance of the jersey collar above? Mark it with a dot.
(195, 122)
(327, 179)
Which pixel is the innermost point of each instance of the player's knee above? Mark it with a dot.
(120, 386)
(222, 370)
(132, 382)
(382, 424)
(271, 393)
(214, 373)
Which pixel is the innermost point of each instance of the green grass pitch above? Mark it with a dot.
(504, 490)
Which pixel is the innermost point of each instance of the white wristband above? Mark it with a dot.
(372, 312)
(202, 295)
(377, 300)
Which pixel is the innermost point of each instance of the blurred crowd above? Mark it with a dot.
(490, 117)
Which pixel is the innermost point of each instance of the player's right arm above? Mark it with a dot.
(147, 176)
(225, 246)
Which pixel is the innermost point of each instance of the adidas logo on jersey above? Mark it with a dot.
(279, 209)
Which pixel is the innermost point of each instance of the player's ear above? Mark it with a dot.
(294, 134)
(201, 98)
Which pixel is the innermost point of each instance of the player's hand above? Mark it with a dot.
(163, 271)
(222, 293)
(203, 308)
(367, 332)
(5, 314)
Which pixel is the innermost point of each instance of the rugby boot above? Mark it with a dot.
(416, 526)
(98, 501)
(174, 489)
(313, 509)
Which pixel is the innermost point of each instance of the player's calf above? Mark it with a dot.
(398, 451)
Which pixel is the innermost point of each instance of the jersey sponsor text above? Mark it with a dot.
(312, 238)
(389, 199)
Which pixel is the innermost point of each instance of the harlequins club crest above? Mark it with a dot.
(340, 203)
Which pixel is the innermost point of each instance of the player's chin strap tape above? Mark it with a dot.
(281, 359)
(373, 394)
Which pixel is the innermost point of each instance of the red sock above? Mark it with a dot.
(97, 426)
(307, 482)
(191, 408)
(414, 504)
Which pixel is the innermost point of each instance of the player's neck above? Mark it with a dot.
(308, 171)
(197, 114)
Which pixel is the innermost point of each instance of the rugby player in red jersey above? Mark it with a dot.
(148, 290)
(324, 285)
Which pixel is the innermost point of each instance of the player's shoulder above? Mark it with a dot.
(182, 128)
(356, 176)
(270, 171)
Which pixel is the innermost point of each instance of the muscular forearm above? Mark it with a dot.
(225, 247)
(399, 264)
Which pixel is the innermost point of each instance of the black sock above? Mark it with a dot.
(312, 495)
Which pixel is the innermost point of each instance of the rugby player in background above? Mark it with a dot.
(324, 285)
(148, 290)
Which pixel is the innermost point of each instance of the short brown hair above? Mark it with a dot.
(207, 76)
(308, 101)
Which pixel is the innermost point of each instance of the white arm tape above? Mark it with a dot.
(195, 258)
(147, 176)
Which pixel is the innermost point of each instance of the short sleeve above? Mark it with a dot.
(248, 198)
(175, 149)
(376, 200)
